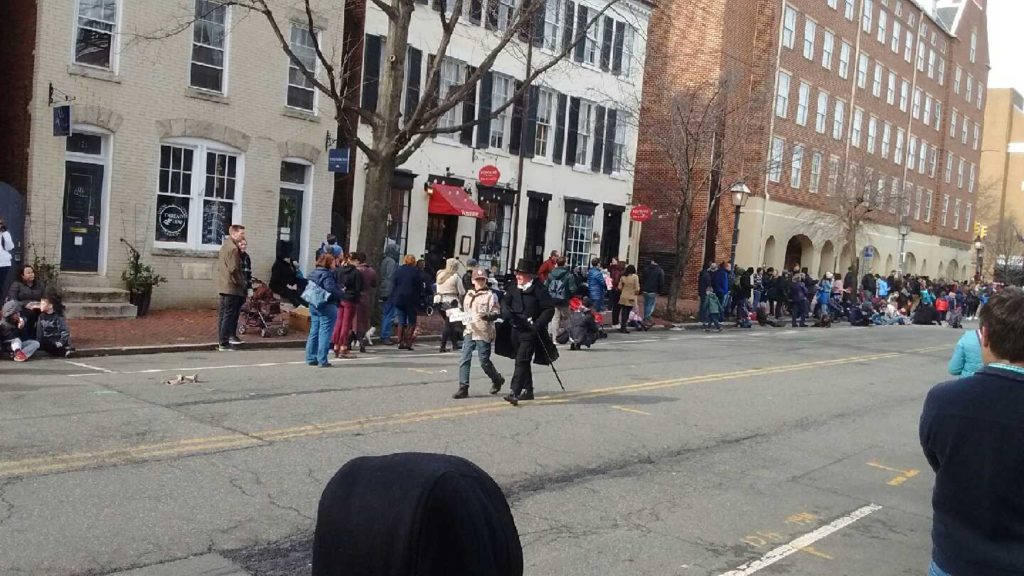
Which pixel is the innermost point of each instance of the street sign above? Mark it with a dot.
(640, 213)
(489, 175)
(62, 121)
(869, 252)
(337, 160)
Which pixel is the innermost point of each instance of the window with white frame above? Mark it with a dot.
(796, 168)
(789, 27)
(833, 175)
(965, 127)
(956, 214)
(904, 95)
(895, 199)
(908, 46)
(977, 135)
(970, 180)
(453, 73)
(952, 124)
(956, 79)
(862, 70)
(546, 100)
(967, 217)
(897, 35)
(198, 193)
(890, 91)
(922, 157)
(916, 108)
(844, 60)
(552, 25)
(881, 188)
(922, 56)
(628, 39)
(868, 13)
(928, 205)
(918, 205)
(579, 230)
(782, 95)
(883, 20)
(583, 133)
(912, 153)
(775, 162)
(876, 85)
(504, 10)
(803, 102)
(501, 92)
(301, 93)
(856, 125)
(960, 174)
(828, 45)
(591, 45)
(926, 117)
(96, 33)
(981, 92)
(897, 153)
(938, 114)
(848, 9)
(619, 143)
(209, 46)
(949, 167)
(969, 91)
(821, 114)
(815, 172)
(832, 4)
(974, 45)
(942, 72)
(886, 139)
(933, 160)
(931, 63)
(838, 119)
(945, 210)
(810, 30)
(872, 134)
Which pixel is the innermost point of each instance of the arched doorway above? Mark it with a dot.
(910, 263)
(798, 249)
(963, 272)
(888, 265)
(940, 271)
(769, 252)
(924, 267)
(827, 261)
(844, 260)
(952, 270)
(869, 260)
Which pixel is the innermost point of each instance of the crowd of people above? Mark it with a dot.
(33, 319)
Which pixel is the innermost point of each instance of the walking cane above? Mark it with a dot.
(551, 363)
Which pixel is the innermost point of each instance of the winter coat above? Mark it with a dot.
(350, 281)
(9, 330)
(53, 328)
(721, 280)
(824, 291)
(451, 289)
(868, 283)
(582, 327)
(883, 287)
(967, 357)
(406, 286)
(482, 305)
(387, 270)
(628, 287)
(797, 292)
(596, 285)
(230, 277)
(23, 293)
(704, 281)
(518, 307)
(546, 268)
(653, 279)
(282, 273)
(615, 272)
(325, 279)
(746, 287)
(710, 305)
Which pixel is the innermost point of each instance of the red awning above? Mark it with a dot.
(453, 201)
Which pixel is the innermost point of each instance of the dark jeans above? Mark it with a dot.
(227, 317)
(522, 378)
(620, 314)
(799, 310)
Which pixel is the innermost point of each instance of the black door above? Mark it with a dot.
(611, 235)
(83, 196)
(441, 232)
(289, 220)
(536, 228)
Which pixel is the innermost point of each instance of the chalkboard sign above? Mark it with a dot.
(216, 219)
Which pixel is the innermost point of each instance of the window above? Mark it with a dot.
(838, 120)
(810, 29)
(897, 32)
(821, 114)
(398, 218)
(949, 167)
(927, 116)
(198, 193)
(938, 114)
(789, 27)
(796, 169)
(803, 102)
(904, 95)
(828, 44)
(933, 158)
(886, 139)
(974, 45)
(504, 9)
(583, 134)
(552, 25)
(872, 134)
(977, 135)
(931, 63)
(899, 8)
(967, 217)
(964, 130)
(848, 9)
(921, 55)
(916, 109)
(897, 155)
(890, 93)
(880, 190)
(960, 174)
(908, 46)
(876, 86)
(209, 44)
(928, 206)
(453, 73)
(942, 72)
(629, 35)
(952, 124)
(782, 95)
(883, 19)
(855, 127)
(815, 172)
(545, 104)
(591, 45)
(95, 33)
(775, 163)
(832, 4)
(981, 91)
(956, 80)
(862, 71)
(945, 209)
(956, 215)
(619, 143)
(833, 174)
(866, 19)
(922, 158)
(917, 205)
(501, 92)
(579, 232)
(969, 92)
(912, 153)
(970, 181)
(844, 60)
(894, 193)
(301, 93)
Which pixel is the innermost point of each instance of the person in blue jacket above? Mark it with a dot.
(721, 282)
(407, 288)
(322, 317)
(966, 358)
(596, 284)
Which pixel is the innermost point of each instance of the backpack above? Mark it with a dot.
(561, 288)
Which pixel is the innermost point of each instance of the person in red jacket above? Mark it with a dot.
(547, 266)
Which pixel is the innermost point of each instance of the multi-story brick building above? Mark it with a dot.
(882, 99)
(172, 138)
(1001, 198)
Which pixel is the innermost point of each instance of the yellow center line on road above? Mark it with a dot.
(204, 445)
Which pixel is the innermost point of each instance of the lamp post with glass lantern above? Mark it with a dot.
(740, 193)
(904, 231)
(979, 249)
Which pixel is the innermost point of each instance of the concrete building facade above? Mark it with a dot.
(1002, 175)
(184, 118)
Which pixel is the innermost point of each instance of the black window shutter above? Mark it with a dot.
(598, 138)
(581, 29)
(413, 61)
(531, 122)
(516, 133)
(620, 32)
(567, 23)
(538, 24)
(483, 130)
(421, 1)
(492, 15)
(609, 140)
(571, 137)
(437, 5)
(371, 72)
(559, 129)
(468, 111)
(476, 10)
(606, 43)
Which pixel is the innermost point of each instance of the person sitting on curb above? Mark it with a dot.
(481, 304)
(11, 326)
(52, 330)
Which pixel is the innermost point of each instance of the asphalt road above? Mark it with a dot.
(672, 453)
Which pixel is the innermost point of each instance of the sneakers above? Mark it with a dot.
(235, 342)
(462, 393)
(496, 386)
(68, 352)
(20, 356)
(225, 348)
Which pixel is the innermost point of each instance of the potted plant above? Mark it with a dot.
(139, 279)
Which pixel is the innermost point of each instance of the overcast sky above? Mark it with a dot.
(1006, 43)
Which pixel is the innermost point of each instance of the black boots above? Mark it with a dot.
(496, 386)
(462, 393)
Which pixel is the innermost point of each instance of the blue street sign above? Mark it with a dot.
(62, 121)
(337, 160)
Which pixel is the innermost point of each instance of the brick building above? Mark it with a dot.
(879, 99)
(172, 139)
(1001, 198)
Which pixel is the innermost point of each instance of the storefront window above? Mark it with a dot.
(493, 234)
(579, 230)
(398, 219)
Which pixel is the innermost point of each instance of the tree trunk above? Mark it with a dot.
(373, 223)
(684, 225)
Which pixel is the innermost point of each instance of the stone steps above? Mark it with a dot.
(84, 294)
(99, 310)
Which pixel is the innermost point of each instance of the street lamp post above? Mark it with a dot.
(979, 249)
(740, 193)
(904, 231)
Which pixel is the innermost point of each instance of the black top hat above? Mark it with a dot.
(526, 266)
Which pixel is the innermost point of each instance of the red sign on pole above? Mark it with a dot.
(489, 175)
(640, 213)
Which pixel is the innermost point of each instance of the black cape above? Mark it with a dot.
(505, 346)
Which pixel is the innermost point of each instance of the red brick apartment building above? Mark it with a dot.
(880, 99)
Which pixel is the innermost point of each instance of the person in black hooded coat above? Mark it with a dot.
(414, 514)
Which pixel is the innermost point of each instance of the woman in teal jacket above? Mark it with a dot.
(966, 358)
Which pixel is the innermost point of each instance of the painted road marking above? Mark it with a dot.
(88, 366)
(815, 552)
(202, 445)
(901, 475)
(631, 410)
(801, 542)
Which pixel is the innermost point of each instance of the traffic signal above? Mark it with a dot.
(984, 231)
(977, 230)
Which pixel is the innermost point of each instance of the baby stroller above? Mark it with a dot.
(262, 311)
(955, 318)
(636, 319)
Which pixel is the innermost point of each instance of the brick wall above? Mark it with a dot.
(17, 63)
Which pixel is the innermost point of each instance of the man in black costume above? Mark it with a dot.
(526, 308)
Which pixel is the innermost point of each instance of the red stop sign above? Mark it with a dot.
(640, 213)
(489, 175)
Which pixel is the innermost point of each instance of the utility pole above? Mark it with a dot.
(522, 148)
